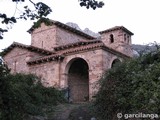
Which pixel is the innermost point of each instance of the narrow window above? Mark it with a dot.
(128, 39)
(15, 66)
(111, 38)
(42, 44)
(125, 37)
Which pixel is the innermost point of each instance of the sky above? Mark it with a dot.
(139, 16)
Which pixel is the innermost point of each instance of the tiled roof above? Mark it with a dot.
(28, 47)
(90, 46)
(77, 44)
(116, 28)
(74, 48)
(83, 47)
(66, 27)
(62, 51)
(54, 57)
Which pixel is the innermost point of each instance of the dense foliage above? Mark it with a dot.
(91, 4)
(23, 95)
(131, 87)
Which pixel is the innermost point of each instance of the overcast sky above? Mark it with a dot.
(141, 17)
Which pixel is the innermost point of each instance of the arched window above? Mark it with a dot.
(111, 38)
(115, 62)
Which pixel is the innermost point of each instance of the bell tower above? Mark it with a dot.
(118, 38)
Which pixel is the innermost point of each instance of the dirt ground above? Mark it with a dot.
(79, 111)
(66, 111)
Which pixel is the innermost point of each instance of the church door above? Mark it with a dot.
(78, 81)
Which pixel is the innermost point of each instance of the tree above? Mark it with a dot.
(23, 95)
(131, 87)
(41, 10)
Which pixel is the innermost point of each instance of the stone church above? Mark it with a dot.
(67, 58)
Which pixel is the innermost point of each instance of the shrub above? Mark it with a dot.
(22, 95)
(130, 87)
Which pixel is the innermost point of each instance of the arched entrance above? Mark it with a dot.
(78, 80)
(115, 62)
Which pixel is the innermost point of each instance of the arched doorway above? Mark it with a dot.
(78, 80)
(115, 62)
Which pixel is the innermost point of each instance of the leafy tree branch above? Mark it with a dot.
(41, 10)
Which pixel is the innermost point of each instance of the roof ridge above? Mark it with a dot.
(116, 28)
(67, 27)
(79, 43)
(28, 47)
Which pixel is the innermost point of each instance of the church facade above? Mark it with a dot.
(68, 58)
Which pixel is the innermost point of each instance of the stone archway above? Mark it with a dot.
(78, 80)
(115, 62)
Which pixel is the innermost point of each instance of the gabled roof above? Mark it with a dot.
(66, 27)
(28, 47)
(116, 28)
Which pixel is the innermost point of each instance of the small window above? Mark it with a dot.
(128, 38)
(42, 44)
(125, 37)
(15, 66)
(111, 38)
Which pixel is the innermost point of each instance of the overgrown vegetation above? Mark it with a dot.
(131, 87)
(24, 95)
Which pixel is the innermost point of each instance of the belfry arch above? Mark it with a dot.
(78, 80)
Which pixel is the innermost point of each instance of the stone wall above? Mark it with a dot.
(108, 59)
(48, 72)
(44, 37)
(64, 37)
(48, 37)
(94, 61)
(16, 60)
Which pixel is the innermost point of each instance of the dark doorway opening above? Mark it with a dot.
(115, 62)
(78, 81)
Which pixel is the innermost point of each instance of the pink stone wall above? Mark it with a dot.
(16, 60)
(48, 37)
(48, 72)
(108, 58)
(44, 37)
(94, 60)
(64, 37)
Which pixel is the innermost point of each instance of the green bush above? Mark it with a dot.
(22, 95)
(129, 88)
